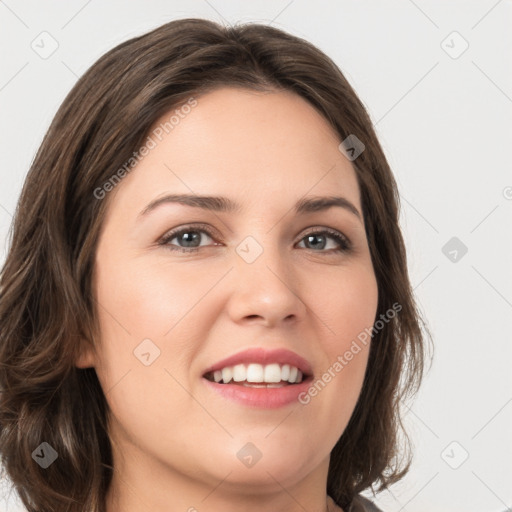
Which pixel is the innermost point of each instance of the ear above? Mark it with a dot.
(87, 357)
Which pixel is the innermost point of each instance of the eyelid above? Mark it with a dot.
(192, 227)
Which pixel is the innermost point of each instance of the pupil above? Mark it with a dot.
(317, 236)
(186, 236)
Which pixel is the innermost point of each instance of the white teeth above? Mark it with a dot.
(293, 374)
(272, 373)
(285, 371)
(239, 373)
(257, 373)
(227, 374)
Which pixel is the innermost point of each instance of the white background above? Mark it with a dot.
(446, 126)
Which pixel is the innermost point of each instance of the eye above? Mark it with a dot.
(341, 241)
(190, 237)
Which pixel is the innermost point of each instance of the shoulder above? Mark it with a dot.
(362, 504)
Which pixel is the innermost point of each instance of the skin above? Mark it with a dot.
(175, 441)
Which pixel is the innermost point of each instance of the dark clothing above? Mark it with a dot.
(362, 504)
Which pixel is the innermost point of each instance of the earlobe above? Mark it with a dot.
(86, 359)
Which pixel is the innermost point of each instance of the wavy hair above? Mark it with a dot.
(47, 310)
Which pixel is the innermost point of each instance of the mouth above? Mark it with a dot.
(255, 375)
(260, 378)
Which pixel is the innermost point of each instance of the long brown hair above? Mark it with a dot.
(47, 310)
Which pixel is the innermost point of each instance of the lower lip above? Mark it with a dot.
(265, 398)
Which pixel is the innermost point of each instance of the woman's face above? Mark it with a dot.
(253, 279)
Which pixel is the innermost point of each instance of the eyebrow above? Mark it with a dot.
(224, 204)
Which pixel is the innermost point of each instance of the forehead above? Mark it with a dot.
(237, 118)
(260, 146)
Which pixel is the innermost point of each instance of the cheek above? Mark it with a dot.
(347, 309)
(139, 301)
(347, 306)
(143, 309)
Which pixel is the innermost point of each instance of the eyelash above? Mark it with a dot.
(343, 242)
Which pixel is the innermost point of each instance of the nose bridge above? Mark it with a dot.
(259, 250)
(264, 281)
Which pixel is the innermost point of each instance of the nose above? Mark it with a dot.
(266, 289)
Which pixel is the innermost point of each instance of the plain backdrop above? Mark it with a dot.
(436, 79)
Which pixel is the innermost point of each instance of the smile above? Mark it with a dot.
(259, 378)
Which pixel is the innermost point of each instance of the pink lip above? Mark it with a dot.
(265, 398)
(263, 356)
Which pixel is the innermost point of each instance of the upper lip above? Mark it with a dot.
(264, 356)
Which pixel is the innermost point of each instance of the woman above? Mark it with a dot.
(205, 304)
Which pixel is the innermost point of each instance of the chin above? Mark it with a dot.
(260, 461)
